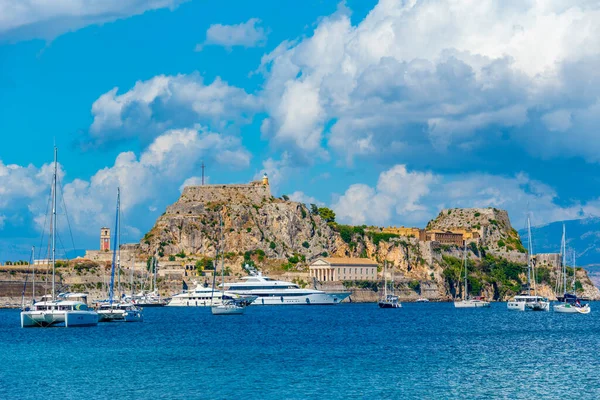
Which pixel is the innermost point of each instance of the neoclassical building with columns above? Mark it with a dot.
(343, 269)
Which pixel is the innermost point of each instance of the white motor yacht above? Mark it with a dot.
(203, 296)
(70, 310)
(273, 292)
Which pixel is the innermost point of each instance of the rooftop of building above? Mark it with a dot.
(348, 261)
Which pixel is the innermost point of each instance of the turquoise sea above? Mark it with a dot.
(350, 351)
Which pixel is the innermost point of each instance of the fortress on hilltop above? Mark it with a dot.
(254, 192)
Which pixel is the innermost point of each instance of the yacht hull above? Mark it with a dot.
(471, 304)
(111, 315)
(522, 306)
(81, 318)
(389, 305)
(314, 299)
(133, 316)
(225, 309)
(70, 319)
(569, 309)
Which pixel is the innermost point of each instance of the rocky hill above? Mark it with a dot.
(497, 236)
(251, 220)
(281, 236)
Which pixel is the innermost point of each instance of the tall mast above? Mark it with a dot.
(529, 251)
(33, 274)
(573, 285)
(222, 259)
(564, 251)
(111, 291)
(118, 233)
(132, 268)
(465, 264)
(385, 280)
(53, 224)
(154, 288)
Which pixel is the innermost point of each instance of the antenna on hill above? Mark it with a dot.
(202, 173)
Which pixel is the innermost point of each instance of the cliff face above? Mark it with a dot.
(252, 220)
(280, 231)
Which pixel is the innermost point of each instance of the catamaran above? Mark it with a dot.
(527, 302)
(389, 300)
(110, 310)
(467, 301)
(568, 302)
(69, 309)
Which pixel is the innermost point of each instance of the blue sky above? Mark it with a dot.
(385, 111)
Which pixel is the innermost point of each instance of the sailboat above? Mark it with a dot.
(527, 302)
(153, 298)
(118, 311)
(69, 309)
(569, 303)
(389, 300)
(228, 306)
(467, 301)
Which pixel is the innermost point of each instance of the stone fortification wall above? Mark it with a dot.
(252, 193)
(552, 260)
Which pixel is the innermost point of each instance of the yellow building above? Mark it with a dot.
(342, 269)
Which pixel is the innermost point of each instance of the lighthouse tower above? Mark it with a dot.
(265, 180)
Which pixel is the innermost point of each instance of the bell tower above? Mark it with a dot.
(104, 239)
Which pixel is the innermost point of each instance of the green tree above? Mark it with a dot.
(314, 209)
(327, 214)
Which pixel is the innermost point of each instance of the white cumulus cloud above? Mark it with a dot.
(246, 34)
(43, 19)
(403, 197)
(166, 102)
(436, 77)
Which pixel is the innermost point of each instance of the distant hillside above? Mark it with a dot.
(583, 235)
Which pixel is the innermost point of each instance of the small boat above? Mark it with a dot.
(422, 300)
(569, 303)
(120, 311)
(467, 301)
(228, 306)
(389, 300)
(527, 302)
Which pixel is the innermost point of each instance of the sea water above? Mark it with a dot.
(349, 351)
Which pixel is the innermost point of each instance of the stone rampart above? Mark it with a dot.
(252, 193)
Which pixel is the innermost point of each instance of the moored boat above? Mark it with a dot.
(467, 301)
(528, 302)
(271, 292)
(117, 311)
(388, 300)
(69, 309)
